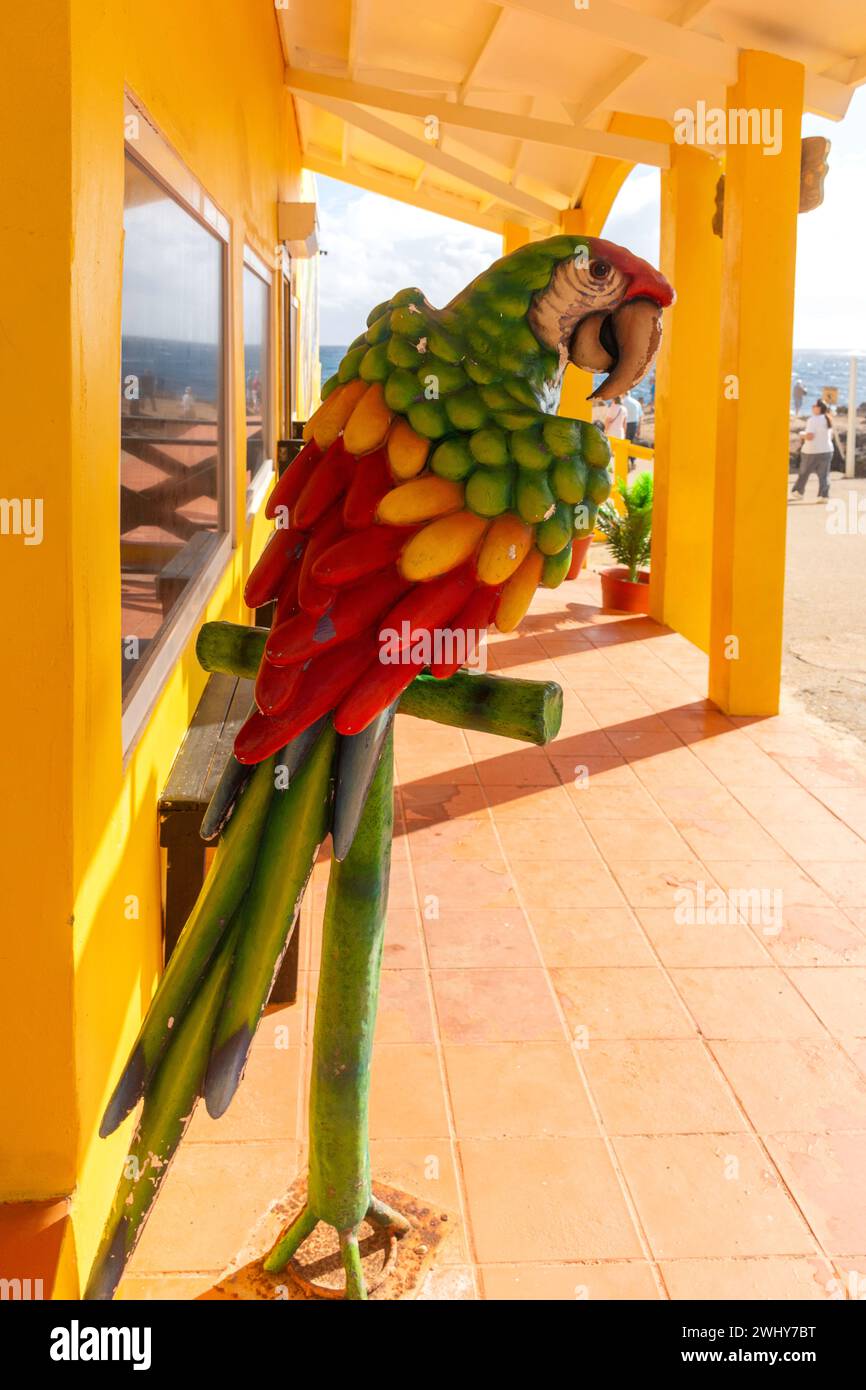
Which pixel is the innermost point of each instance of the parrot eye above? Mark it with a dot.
(599, 270)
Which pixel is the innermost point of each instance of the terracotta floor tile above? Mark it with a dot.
(486, 937)
(466, 838)
(827, 1176)
(532, 1200)
(705, 1196)
(736, 761)
(848, 803)
(168, 1287)
(595, 801)
(684, 805)
(264, 1107)
(797, 1085)
(808, 1277)
(562, 883)
(526, 803)
(451, 886)
(516, 1090)
(662, 772)
(817, 936)
(546, 839)
(517, 769)
(660, 883)
(782, 803)
(622, 1002)
(581, 936)
(730, 839)
(404, 1011)
(795, 885)
(623, 1279)
(211, 1199)
(659, 1087)
(625, 839)
(511, 1005)
(756, 1004)
(845, 884)
(685, 944)
(822, 770)
(423, 1167)
(406, 1097)
(431, 802)
(822, 837)
(605, 770)
(402, 940)
(838, 997)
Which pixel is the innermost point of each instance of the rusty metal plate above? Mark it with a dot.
(393, 1269)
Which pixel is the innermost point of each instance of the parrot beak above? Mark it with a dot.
(623, 344)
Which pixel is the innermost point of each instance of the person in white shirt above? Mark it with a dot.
(633, 417)
(616, 419)
(816, 454)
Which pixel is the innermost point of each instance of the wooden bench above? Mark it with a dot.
(196, 770)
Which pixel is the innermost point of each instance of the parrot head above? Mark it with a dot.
(593, 303)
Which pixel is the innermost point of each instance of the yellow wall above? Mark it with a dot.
(78, 832)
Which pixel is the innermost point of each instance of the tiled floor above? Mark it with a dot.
(617, 1099)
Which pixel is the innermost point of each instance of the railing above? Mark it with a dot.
(623, 450)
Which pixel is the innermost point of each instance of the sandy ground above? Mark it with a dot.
(824, 660)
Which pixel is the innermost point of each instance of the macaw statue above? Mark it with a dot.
(436, 489)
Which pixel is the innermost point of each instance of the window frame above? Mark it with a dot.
(260, 482)
(148, 148)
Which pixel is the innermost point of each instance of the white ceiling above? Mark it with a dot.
(371, 79)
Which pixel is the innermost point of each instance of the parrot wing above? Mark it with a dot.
(431, 493)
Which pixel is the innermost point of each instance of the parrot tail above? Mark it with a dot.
(353, 627)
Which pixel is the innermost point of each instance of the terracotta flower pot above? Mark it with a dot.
(623, 595)
(578, 555)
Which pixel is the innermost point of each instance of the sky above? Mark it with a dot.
(376, 246)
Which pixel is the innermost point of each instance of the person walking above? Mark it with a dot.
(633, 417)
(799, 395)
(816, 453)
(615, 419)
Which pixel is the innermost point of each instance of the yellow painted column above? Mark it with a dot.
(761, 199)
(576, 384)
(514, 236)
(687, 394)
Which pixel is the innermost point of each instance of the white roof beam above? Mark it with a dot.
(372, 180)
(425, 151)
(477, 118)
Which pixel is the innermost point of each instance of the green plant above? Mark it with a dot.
(628, 533)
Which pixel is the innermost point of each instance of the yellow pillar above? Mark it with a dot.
(514, 235)
(761, 199)
(687, 393)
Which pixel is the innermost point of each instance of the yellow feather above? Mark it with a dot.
(333, 413)
(407, 451)
(420, 500)
(369, 422)
(505, 547)
(517, 594)
(441, 546)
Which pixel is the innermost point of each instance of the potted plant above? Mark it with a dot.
(625, 586)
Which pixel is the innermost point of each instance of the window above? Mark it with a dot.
(287, 349)
(174, 506)
(257, 342)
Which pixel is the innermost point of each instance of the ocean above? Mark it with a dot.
(817, 368)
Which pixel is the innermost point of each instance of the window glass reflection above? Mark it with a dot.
(256, 342)
(171, 485)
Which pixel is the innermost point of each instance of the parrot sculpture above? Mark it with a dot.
(435, 490)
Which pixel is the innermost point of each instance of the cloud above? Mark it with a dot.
(377, 246)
